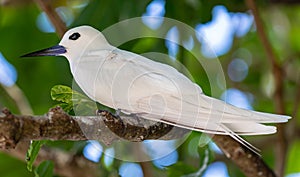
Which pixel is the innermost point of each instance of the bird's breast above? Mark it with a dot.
(99, 77)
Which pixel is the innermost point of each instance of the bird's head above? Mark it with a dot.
(74, 43)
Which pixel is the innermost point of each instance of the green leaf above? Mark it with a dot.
(32, 152)
(206, 154)
(45, 169)
(62, 93)
(65, 94)
(12, 167)
(85, 107)
(72, 100)
(179, 169)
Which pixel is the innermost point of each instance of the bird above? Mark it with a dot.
(136, 85)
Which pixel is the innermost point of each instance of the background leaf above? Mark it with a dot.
(33, 152)
(45, 169)
(180, 169)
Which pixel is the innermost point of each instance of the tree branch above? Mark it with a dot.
(57, 125)
(53, 16)
(278, 75)
(250, 163)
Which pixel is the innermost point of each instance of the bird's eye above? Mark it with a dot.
(74, 36)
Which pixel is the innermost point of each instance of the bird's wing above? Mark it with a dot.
(153, 78)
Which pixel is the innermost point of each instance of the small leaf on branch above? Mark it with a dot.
(71, 100)
(32, 152)
(62, 93)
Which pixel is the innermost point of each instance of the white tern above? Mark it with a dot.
(137, 85)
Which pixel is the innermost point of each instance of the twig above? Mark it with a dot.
(19, 99)
(147, 168)
(53, 16)
(278, 76)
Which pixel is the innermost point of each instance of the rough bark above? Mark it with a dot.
(105, 127)
(58, 125)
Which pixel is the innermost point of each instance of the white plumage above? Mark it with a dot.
(134, 84)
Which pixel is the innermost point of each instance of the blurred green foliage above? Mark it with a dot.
(36, 76)
(32, 152)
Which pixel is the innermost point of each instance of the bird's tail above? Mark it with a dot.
(212, 116)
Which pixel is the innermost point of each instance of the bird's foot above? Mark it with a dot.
(118, 112)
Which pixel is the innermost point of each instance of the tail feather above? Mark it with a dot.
(231, 129)
(276, 118)
(250, 128)
(213, 111)
(241, 140)
(228, 129)
(208, 115)
(187, 115)
(238, 114)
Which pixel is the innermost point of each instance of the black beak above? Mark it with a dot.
(52, 51)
